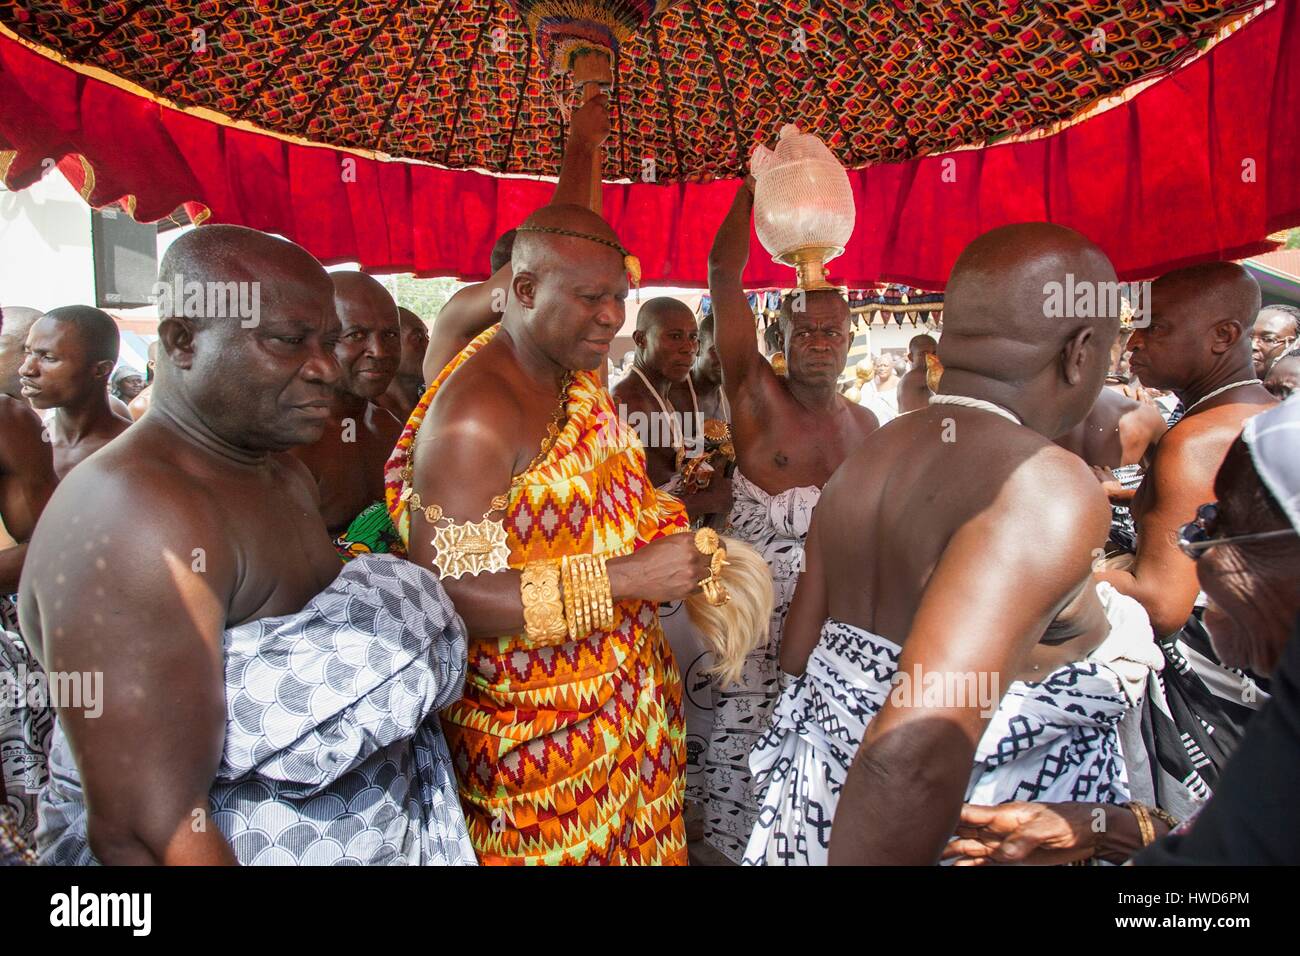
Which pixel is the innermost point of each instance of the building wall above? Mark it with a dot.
(45, 254)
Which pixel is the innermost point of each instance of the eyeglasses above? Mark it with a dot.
(1268, 339)
(1198, 535)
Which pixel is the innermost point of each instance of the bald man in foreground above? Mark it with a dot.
(70, 354)
(347, 461)
(518, 474)
(791, 432)
(215, 737)
(947, 628)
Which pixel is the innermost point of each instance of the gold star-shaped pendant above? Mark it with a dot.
(472, 548)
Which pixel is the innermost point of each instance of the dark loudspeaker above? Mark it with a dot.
(126, 259)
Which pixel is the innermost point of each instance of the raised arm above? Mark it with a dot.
(477, 307)
(988, 602)
(148, 634)
(732, 317)
(1162, 578)
(463, 459)
(26, 482)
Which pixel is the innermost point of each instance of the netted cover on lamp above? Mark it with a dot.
(803, 204)
(566, 29)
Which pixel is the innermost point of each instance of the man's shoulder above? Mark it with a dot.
(481, 387)
(18, 414)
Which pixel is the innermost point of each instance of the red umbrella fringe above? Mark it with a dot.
(1201, 165)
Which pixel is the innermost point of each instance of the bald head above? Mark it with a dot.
(662, 307)
(569, 286)
(219, 272)
(917, 348)
(370, 345)
(1200, 321)
(247, 331)
(666, 338)
(415, 340)
(1032, 310)
(15, 322)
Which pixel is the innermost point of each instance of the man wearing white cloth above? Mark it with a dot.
(954, 548)
(261, 704)
(791, 433)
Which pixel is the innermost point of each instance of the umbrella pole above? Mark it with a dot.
(591, 73)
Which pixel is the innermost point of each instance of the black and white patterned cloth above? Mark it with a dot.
(1052, 740)
(26, 725)
(333, 754)
(776, 525)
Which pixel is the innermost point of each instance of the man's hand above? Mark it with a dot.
(668, 569)
(1034, 834)
(714, 500)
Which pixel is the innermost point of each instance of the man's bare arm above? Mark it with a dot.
(475, 308)
(988, 602)
(733, 318)
(1140, 430)
(808, 609)
(26, 482)
(152, 627)
(1163, 579)
(464, 459)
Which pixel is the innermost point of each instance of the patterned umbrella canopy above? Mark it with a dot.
(465, 84)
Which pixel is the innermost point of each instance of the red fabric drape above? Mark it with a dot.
(1201, 165)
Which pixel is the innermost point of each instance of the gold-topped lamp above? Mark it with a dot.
(803, 205)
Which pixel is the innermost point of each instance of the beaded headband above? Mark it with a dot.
(630, 262)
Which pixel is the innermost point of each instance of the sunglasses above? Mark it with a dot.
(1198, 535)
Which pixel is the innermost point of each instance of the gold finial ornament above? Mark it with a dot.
(707, 541)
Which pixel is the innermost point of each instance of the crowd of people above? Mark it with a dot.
(356, 590)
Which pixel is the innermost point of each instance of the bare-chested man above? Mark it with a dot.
(956, 544)
(1277, 327)
(408, 384)
(225, 533)
(913, 392)
(1198, 344)
(70, 354)
(667, 341)
(791, 433)
(705, 380)
(522, 437)
(348, 460)
(26, 483)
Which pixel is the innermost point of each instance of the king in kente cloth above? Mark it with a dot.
(516, 482)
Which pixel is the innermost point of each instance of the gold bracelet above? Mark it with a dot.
(570, 597)
(606, 596)
(1145, 828)
(539, 590)
(586, 584)
(1168, 819)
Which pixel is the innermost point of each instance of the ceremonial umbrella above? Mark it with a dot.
(289, 116)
